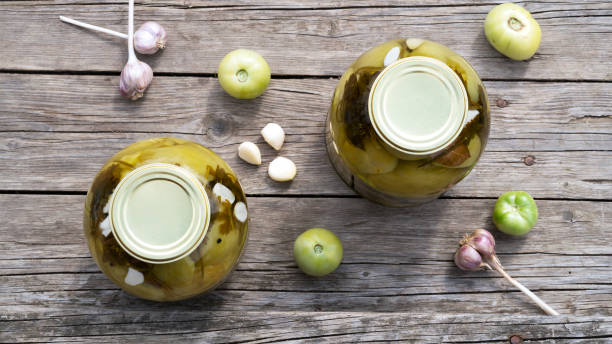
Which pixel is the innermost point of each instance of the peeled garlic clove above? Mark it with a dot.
(249, 152)
(282, 169)
(274, 135)
(414, 43)
(391, 56)
(224, 193)
(133, 277)
(105, 226)
(240, 211)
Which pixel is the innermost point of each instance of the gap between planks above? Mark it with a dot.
(275, 76)
(270, 195)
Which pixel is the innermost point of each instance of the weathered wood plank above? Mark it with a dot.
(284, 327)
(302, 38)
(67, 126)
(56, 130)
(395, 260)
(69, 162)
(563, 116)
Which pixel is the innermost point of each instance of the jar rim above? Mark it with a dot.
(159, 213)
(418, 106)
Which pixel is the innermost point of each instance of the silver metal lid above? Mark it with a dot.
(418, 106)
(159, 213)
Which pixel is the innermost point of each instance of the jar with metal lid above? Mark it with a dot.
(166, 219)
(408, 120)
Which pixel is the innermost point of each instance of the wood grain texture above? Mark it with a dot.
(68, 126)
(61, 118)
(301, 37)
(395, 261)
(302, 327)
(564, 116)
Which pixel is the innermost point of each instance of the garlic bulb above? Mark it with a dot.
(477, 252)
(250, 153)
(136, 76)
(149, 38)
(274, 135)
(282, 169)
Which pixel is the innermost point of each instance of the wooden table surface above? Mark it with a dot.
(61, 118)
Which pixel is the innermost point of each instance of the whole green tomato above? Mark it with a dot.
(317, 252)
(515, 213)
(512, 31)
(244, 74)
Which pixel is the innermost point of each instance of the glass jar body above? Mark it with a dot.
(382, 174)
(209, 263)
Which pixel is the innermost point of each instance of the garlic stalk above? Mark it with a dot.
(545, 307)
(136, 75)
(93, 27)
(477, 252)
(148, 39)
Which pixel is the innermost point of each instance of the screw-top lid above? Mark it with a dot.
(418, 105)
(159, 213)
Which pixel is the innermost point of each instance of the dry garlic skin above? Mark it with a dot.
(408, 120)
(177, 197)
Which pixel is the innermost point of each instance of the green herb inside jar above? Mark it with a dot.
(366, 153)
(202, 267)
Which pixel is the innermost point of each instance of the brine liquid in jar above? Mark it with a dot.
(409, 119)
(166, 219)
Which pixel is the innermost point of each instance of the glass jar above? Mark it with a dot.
(166, 219)
(409, 119)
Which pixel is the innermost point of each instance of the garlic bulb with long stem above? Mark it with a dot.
(136, 76)
(148, 39)
(477, 252)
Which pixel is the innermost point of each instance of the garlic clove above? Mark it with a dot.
(414, 43)
(240, 211)
(274, 135)
(391, 56)
(468, 259)
(250, 153)
(282, 169)
(482, 241)
(105, 226)
(133, 277)
(223, 193)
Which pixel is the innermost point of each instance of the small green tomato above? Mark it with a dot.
(317, 252)
(515, 213)
(512, 31)
(244, 74)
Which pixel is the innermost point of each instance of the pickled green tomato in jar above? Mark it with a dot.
(166, 219)
(408, 120)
